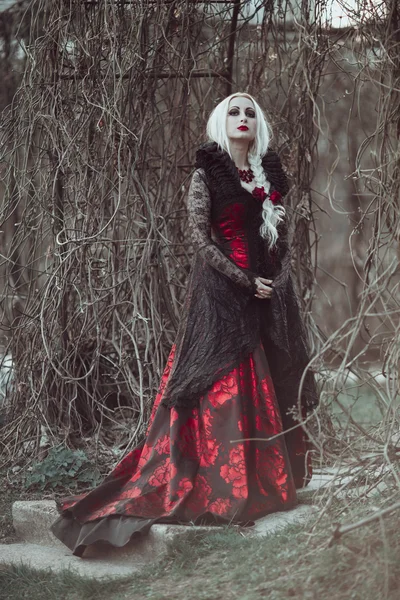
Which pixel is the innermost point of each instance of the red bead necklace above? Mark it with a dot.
(246, 175)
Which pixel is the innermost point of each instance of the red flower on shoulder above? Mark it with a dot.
(259, 192)
(275, 197)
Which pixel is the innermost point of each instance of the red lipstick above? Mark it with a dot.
(243, 128)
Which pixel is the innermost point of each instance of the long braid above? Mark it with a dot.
(271, 214)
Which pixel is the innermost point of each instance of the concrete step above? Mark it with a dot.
(32, 520)
(40, 549)
(104, 561)
(59, 559)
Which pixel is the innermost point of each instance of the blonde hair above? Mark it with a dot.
(272, 214)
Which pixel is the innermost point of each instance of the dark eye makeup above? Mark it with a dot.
(249, 112)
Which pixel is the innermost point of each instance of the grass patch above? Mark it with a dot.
(22, 582)
(295, 563)
(364, 564)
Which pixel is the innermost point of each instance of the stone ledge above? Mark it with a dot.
(32, 521)
(102, 560)
(58, 559)
(40, 549)
(105, 561)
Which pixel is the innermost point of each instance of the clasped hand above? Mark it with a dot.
(264, 291)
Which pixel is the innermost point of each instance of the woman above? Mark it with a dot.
(234, 370)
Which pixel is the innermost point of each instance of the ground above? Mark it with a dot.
(301, 563)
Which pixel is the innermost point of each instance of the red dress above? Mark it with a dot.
(198, 465)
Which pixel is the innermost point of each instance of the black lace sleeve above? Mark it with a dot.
(199, 212)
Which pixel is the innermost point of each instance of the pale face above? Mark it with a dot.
(241, 121)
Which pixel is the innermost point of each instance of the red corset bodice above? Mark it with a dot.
(230, 231)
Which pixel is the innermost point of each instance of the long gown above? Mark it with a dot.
(199, 464)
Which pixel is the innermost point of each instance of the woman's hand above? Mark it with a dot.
(264, 291)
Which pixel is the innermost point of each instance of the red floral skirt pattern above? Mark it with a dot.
(198, 465)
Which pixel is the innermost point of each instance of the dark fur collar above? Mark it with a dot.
(218, 163)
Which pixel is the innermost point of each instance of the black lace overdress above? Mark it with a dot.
(233, 373)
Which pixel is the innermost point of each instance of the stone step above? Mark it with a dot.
(32, 520)
(39, 548)
(104, 561)
(57, 559)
